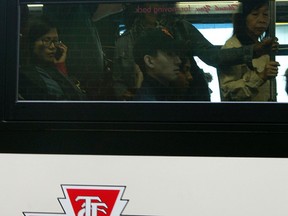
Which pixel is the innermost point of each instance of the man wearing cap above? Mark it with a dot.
(155, 53)
(126, 76)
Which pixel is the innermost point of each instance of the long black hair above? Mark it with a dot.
(239, 20)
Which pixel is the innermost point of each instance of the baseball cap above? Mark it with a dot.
(154, 39)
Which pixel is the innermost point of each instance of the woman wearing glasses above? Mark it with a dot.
(43, 75)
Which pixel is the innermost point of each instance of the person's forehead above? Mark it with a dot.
(49, 37)
(261, 7)
(52, 31)
(169, 52)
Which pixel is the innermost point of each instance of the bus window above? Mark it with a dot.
(88, 64)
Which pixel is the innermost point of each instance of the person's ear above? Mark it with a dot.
(149, 61)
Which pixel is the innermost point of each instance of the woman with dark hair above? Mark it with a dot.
(43, 75)
(241, 82)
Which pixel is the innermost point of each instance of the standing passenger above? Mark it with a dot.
(240, 82)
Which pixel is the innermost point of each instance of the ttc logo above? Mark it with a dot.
(89, 201)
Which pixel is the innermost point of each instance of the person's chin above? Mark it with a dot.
(50, 59)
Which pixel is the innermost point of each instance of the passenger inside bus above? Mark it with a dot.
(87, 61)
(240, 82)
(197, 88)
(43, 75)
(124, 66)
(155, 52)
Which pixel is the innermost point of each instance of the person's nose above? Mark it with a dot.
(52, 46)
(263, 18)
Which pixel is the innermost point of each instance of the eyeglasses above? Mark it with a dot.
(47, 42)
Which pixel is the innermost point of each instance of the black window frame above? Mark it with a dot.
(236, 116)
(165, 129)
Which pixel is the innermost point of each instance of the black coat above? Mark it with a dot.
(33, 87)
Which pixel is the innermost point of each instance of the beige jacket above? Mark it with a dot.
(239, 82)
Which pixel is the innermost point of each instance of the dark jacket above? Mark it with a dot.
(152, 90)
(46, 83)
